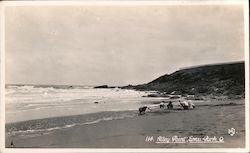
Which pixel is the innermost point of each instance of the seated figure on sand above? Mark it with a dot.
(191, 105)
(162, 105)
(187, 105)
(184, 104)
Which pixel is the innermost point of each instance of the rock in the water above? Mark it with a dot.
(103, 86)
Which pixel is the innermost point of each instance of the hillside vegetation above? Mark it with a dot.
(219, 79)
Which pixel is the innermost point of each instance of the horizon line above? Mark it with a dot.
(182, 68)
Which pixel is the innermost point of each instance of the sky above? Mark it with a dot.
(117, 45)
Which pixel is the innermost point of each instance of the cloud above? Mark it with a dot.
(117, 45)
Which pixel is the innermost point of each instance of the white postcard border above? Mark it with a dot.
(4, 4)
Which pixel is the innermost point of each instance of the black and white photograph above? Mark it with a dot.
(136, 75)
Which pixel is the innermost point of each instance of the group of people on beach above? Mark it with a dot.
(169, 105)
(184, 104)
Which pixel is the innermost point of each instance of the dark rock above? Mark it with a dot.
(103, 86)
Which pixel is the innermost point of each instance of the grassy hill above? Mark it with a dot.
(218, 79)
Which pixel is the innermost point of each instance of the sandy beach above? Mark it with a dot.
(209, 120)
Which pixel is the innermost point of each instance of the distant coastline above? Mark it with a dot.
(210, 79)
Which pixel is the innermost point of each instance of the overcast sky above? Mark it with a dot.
(117, 45)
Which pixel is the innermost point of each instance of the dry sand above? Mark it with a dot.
(213, 119)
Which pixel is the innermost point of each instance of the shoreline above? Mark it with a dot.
(61, 122)
(131, 131)
(204, 102)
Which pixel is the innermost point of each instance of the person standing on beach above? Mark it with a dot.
(142, 110)
(170, 105)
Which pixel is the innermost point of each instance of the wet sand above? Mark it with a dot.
(213, 119)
